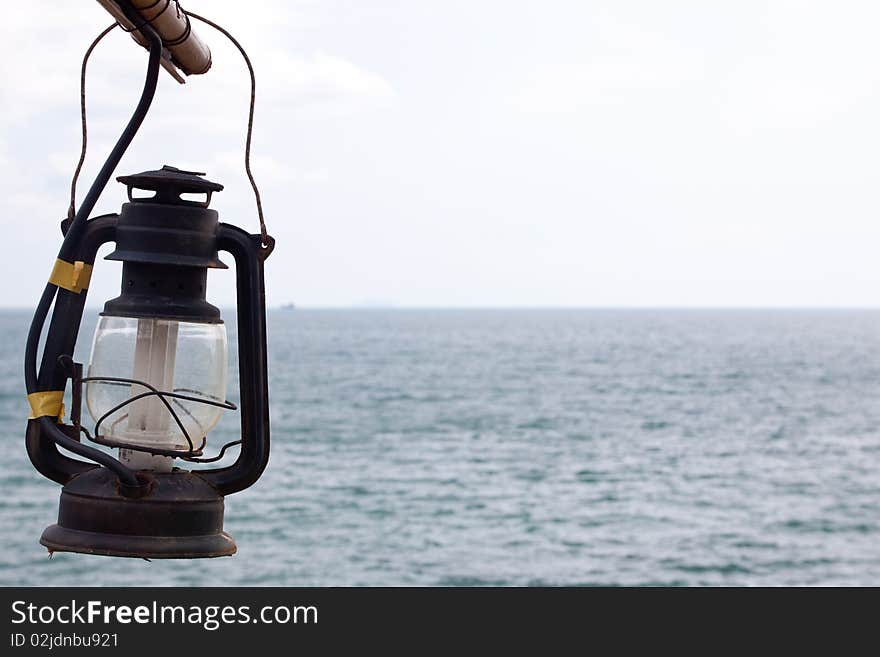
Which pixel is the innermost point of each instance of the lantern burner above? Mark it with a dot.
(178, 515)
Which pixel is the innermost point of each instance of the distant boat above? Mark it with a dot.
(288, 306)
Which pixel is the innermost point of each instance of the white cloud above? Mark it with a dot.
(267, 169)
(488, 152)
(319, 76)
(44, 45)
(615, 60)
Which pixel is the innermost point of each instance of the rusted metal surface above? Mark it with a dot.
(129, 26)
(179, 516)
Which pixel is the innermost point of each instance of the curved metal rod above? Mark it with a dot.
(141, 396)
(162, 395)
(177, 403)
(155, 451)
(267, 240)
(228, 405)
(50, 428)
(71, 211)
(252, 363)
(214, 458)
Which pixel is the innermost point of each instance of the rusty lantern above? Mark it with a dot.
(156, 381)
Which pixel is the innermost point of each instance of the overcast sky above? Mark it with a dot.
(484, 152)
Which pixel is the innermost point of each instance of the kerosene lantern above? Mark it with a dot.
(155, 385)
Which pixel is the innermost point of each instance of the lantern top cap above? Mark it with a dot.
(170, 182)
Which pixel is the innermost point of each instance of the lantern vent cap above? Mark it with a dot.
(169, 183)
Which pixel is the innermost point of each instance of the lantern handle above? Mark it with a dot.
(267, 241)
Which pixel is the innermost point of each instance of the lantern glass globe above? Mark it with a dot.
(187, 358)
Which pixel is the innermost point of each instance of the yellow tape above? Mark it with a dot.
(71, 276)
(49, 402)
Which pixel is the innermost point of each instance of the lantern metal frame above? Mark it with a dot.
(100, 494)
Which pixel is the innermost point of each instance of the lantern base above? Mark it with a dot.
(179, 516)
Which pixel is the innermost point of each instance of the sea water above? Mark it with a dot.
(517, 447)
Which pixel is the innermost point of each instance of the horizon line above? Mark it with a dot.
(284, 308)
